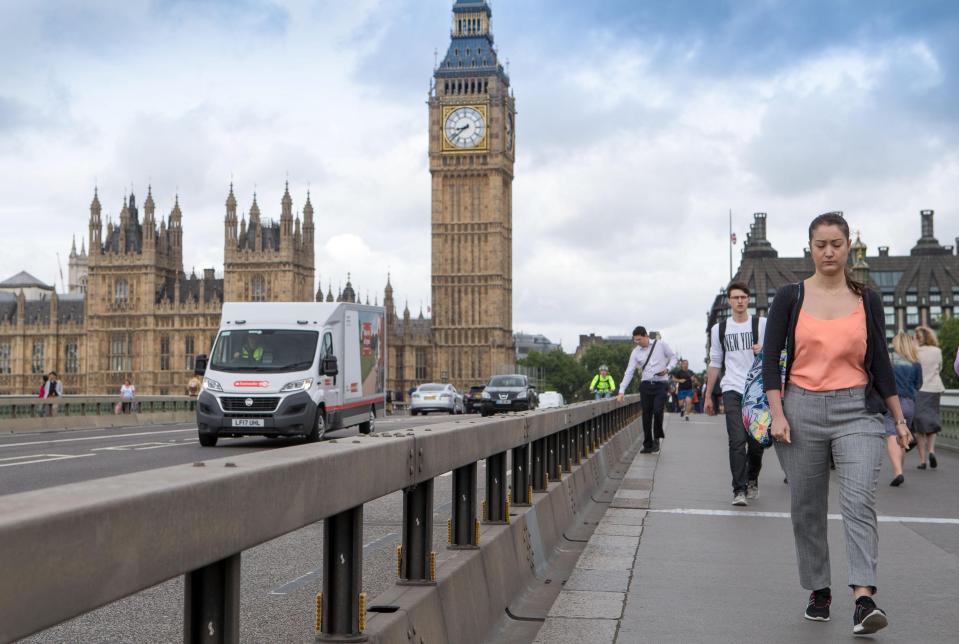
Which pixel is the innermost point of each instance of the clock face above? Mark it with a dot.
(465, 127)
(509, 131)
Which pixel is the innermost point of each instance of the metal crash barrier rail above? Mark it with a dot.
(71, 549)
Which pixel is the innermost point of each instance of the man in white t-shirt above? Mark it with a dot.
(742, 338)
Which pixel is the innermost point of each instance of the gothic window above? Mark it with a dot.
(935, 313)
(257, 289)
(120, 358)
(912, 316)
(164, 353)
(36, 362)
(5, 362)
(421, 364)
(72, 361)
(189, 350)
(83, 284)
(399, 365)
(121, 292)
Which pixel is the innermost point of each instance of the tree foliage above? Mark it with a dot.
(949, 342)
(561, 371)
(570, 377)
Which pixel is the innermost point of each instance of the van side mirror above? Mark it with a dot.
(328, 366)
(199, 364)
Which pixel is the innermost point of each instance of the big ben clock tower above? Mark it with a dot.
(472, 149)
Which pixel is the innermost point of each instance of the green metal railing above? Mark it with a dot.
(12, 407)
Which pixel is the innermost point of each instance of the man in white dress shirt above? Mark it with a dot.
(655, 360)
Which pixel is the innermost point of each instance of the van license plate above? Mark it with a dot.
(502, 402)
(247, 422)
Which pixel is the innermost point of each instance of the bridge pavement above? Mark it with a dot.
(672, 561)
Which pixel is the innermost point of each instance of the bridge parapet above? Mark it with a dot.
(71, 549)
(30, 413)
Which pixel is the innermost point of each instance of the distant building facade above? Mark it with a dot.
(527, 343)
(132, 312)
(921, 288)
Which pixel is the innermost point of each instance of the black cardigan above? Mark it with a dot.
(781, 325)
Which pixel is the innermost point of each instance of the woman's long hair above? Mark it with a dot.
(905, 346)
(926, 337)
(836, 219)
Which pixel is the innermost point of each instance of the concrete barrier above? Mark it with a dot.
(474, 587)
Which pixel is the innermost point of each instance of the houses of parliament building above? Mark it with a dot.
(132, 312)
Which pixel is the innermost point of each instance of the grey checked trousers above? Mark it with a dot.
(835, 421)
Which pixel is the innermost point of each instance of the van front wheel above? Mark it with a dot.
(319, 426)
(208, 440)
(368, 426)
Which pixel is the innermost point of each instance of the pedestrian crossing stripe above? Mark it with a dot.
(785, 515)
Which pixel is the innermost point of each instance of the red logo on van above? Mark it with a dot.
(251, 383)
(354, 387)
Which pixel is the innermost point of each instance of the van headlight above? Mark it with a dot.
(485, 395)
(211, 385)
(298, 385)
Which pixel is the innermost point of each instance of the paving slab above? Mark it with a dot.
(601, 580)
(619, 530)
(561, 630)
(587, 604)
(622, 516)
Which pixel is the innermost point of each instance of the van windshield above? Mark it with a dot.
(264, 350)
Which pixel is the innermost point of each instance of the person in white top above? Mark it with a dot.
(742, 339)
(127, 394)
(927, 421)
(655, 360)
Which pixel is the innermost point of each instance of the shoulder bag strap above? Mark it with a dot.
(648, 358)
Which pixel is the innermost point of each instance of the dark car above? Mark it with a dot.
(508, 393)
(474, 399)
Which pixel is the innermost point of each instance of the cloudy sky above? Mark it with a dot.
(640, 125)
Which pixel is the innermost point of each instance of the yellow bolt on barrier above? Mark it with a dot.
(362, 612)
(476, 530)
(399, 561)
(449, 531)
(507, 507)
(530, 492)
(319, 612)
(547, 478)
(433, 566)
(485, 515)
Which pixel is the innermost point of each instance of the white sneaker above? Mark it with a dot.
(740, 499)
(752, 491)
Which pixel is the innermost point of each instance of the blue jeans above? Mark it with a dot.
(602, 394)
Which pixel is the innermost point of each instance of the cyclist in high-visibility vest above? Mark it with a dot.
(603, 384)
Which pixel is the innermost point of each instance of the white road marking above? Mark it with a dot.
(36, 458)
(142, 446)
(97, 438)
(303, 579)
(785, 515)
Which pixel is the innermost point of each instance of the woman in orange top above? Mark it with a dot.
(838, 384)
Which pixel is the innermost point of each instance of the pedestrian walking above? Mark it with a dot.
(194, 385)
(655, 360)
(838, 382)
(928, 422)
(733, 345)
(127, 393)
(908, 374)
(602, 384)
(53, 385)
(683, 378)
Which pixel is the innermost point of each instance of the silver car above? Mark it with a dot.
(436, 397)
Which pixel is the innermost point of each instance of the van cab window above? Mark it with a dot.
(263, 350)
(327, 346)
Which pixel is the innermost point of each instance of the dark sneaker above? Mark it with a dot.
(899, 480)
(739, 499)
(933, 463)
(752, 491)
(867, 618)
(646, 450)
(818, 608)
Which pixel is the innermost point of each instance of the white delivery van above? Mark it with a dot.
(293, 369)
